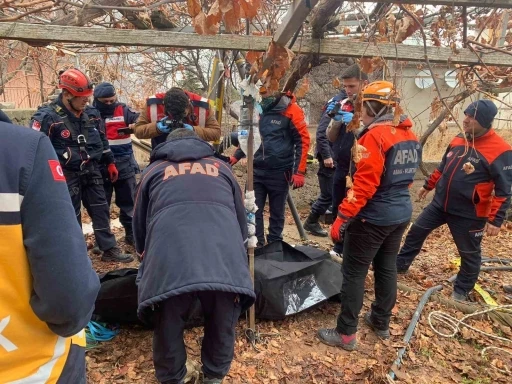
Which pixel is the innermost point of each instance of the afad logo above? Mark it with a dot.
(65, 134)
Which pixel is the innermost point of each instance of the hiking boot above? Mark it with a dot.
(114, 254)
(96, 249)
(312, 226)
(208, 380)
(463, 297)
(128, 238)
(331, 337)
(382, 333)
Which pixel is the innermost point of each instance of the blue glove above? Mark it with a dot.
(188, 126)
(330, 106)
(344, 117)
(162, 127)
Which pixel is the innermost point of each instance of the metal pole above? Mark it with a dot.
(249, 101)
(296, 217)
(412, 326)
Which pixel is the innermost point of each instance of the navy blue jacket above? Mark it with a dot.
(190, 226)
(4, 117)
(49, 120)
(483, 194)
(45, 268)
(341, 148)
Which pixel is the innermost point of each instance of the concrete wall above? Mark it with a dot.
(20, 116)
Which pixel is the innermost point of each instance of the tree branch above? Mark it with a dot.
(489, 47)
(10, 76)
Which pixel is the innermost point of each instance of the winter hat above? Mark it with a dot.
(483, 111)
(104, 90)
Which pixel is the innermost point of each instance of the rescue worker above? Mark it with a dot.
(353, 80)
(183, 107)
(190, 228)
(80, 146)
(118, 120)
(47, 284)
(374, 214)
(279, 161)
(472, 168)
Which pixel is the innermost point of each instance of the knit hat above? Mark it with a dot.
(483, 111)
(104, 90)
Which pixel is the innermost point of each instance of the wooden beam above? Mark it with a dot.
(38, 33)
(293, 19)
(458, 3)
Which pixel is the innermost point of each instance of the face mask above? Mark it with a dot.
(267, 102)
(105, 109)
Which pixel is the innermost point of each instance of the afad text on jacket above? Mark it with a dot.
(483, 194)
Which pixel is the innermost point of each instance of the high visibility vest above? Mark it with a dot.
(121, 145)
(29, 351)
(198, 117)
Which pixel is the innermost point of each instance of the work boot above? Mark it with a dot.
(334, 339)
(312, 226)
(463, 297)
(209, 380)
(114, 254)
(96, 249)
(507, 288)
(382, 333)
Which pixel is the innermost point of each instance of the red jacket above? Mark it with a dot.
(471, 194)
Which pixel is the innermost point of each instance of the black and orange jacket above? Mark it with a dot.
(471, 195)
(284, 137)
(390, 157)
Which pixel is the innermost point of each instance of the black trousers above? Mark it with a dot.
(125, 193)
(87, 188)
(467, 234)
(324, 201)
(366, 243)
(339, 191)
(275, 185)
(221, 311)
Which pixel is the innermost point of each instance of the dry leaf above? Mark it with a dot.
(355, 123)
(336, 83)
(405, 28)
(194, 7)
(232, 18)
(302, 89)
(349, 182)
(280, 60)
(357, 151)
(253, 56)
(215, 14)
(396, 116)
(225, 5)
(204, 25)
(468, 168)
(351, 198)
(249, 8)
(346, 31)
(381, 25)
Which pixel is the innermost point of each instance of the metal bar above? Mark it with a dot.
(412, 326)
(296, 217)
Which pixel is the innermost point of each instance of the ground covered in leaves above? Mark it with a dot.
(292, 354)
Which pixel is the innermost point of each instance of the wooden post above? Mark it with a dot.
(249, 101)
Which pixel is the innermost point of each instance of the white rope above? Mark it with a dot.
(454, 324)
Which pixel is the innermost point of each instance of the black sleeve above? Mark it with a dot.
(64, 284)
(139, 214)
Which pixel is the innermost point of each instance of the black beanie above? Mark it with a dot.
(483, 111)
(104, 90)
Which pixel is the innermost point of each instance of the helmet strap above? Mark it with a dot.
(71, 105)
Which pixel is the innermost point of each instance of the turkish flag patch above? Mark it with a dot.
(36, 125)
(56, 168)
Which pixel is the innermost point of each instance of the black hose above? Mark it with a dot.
(296, 218)
(412, 326)
(496, 260)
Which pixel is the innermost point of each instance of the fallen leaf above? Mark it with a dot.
(194, 7)
(249, 8)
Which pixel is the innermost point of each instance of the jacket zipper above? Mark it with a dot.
(450, 181)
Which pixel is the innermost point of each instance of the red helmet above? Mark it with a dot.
(75, 82)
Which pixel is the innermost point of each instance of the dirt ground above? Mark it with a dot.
(294, 355)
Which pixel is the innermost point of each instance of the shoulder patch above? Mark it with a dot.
(56, 168)
(35, 125)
